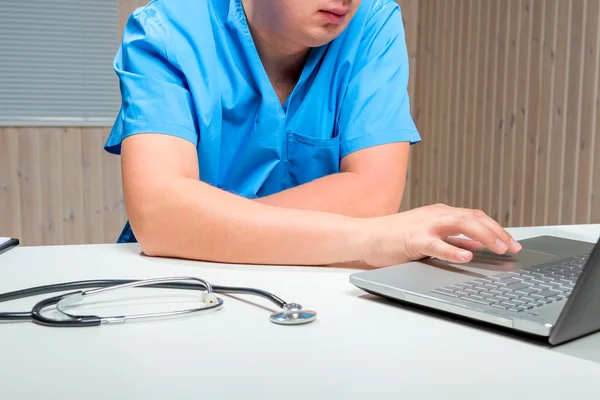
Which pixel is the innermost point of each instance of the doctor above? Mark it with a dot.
(276, 132)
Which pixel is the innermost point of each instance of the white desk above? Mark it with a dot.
(359, 347)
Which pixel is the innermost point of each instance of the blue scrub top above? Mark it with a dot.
(190, 69)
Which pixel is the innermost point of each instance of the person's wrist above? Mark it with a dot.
(358, 237)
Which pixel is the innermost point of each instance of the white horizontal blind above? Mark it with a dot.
(56, 62)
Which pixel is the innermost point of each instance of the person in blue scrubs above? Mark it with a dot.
(276, 132)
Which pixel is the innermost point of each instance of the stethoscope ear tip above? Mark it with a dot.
(293, 314)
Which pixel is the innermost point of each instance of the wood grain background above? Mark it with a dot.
(57, 186)
(507, 104)
(504, 93)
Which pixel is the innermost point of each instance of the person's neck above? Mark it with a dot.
(282, 61)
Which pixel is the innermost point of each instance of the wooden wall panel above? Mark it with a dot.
(456, 101)
(468, 97)
(92, 161)
(29, 173)
(482, 54)
(520, 142)
(10, 190)
(498, 122)
(531, 105)
(509, 113)
(588, 116)
(72, 184)
(51, 170)
(417, 152)
(493, 63)
(572, 135)
(434, 95)
(556, 143)
(595, 161)
(410, 18)
(444, 83)
(527, 90)
(595, 197)
(548, 45)
(58, 186)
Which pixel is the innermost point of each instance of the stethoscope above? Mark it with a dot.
(290, 314)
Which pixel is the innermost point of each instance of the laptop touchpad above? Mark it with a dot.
(489, 261)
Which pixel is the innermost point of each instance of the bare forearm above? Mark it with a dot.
(189, 219)
(345, 193)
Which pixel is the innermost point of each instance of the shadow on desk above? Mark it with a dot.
(586, 348)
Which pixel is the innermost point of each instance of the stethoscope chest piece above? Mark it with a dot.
(293, 314)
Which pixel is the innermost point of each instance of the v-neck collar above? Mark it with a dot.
(237, 19)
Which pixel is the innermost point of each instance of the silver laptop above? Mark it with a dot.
(551, 289)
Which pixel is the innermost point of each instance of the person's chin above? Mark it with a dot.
(324, 36)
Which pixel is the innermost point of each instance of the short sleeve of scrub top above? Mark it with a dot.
(153, 92)
(376, 107)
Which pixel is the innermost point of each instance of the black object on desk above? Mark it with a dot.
(6, 245)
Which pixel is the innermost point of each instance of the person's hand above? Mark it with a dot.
(431, 232)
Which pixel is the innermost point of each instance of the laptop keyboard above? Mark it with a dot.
(523, 289)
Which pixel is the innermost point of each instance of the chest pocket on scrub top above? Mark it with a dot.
(311, 158)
